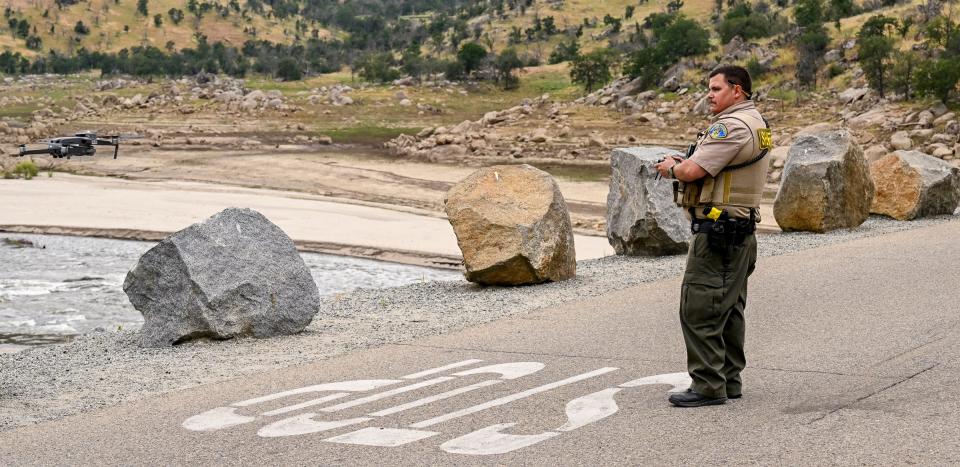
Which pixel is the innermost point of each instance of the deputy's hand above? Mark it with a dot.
(664, 166)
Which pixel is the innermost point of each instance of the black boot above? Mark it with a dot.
(692, 398)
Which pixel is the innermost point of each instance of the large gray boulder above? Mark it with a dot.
(234, 274)
(512, 226)
(642, 218)
(911, 184)
(825, 186)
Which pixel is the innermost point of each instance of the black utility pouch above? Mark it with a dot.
(721, 237)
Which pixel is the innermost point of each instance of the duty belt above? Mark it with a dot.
(724, 226)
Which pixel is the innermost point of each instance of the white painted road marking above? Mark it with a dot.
(303, 425)
(511, 398)
(215, 419)
(492, 439)
(679, 381)
(385, 437)
(489, 440)
(435, 398)
(349, 386)
(580, 412)
(225, 417)
(386, 394)
(441, 369)
(506, 370)
(585, 410)
(309, 403)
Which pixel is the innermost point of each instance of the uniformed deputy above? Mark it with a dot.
(719, 185)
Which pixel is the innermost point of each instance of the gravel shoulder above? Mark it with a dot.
(108, 368)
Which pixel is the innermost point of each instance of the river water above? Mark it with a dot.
(53, 287)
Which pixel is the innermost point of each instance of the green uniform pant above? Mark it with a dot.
(713, 297)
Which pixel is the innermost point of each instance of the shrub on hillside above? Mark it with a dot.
(674, 37)
(593, 69)
(648, 65)
(938, 78)
(176, 15)
(26, 170)
(903, 71)
(837, 9)
(504, 66)
(812, 43)
(34, 43)
(749, 23)
(453, 70)
(565, 52)
(809, 13)
(471, 55)
(811, 46)
(755, 68)
(941, 32)
(81, 28)
(683, 37)
(875, 49)
(377, 67)
(289, 69)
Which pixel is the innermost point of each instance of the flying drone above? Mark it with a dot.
(80, 144)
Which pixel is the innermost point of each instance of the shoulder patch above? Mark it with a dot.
(718, 131)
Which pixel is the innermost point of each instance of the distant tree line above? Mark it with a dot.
(289, 62)
(278, 60)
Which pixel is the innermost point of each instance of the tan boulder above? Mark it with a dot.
(911, 184)
(943, 138)
(825, 184)
(952, 127)
(596, 140)
(816, 128)
(539, 136)
(939, 150)
(943, 119)
(875, 152)
(512, 226)
(901, 140)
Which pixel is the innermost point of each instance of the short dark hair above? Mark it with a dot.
(735, 75)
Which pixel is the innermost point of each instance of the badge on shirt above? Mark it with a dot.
(718, 131)
(765, 138)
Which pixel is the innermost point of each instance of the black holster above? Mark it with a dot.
(725, 234)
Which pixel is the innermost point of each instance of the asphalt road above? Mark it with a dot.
(853, 357)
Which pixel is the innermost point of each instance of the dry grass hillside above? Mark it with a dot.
(107, 20)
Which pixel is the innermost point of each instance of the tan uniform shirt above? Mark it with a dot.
(723, 140)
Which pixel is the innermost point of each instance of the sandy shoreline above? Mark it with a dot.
(150, 210)
(414, 258)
